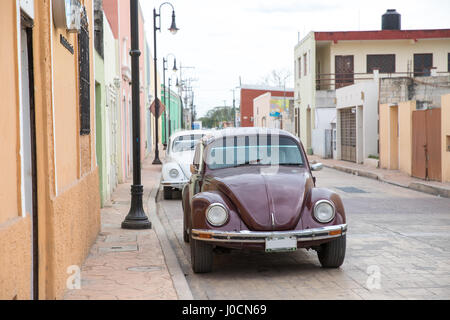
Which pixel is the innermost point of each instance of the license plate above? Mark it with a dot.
(282, 244)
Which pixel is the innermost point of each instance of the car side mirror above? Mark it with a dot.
(193, 169)
(317, 167)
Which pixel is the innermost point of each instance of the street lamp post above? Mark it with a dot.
(173, 29)
(136, 218)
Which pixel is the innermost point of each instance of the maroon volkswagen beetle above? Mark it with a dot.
(252, 188)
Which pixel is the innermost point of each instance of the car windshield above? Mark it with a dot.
(186, 143)
(253, 150)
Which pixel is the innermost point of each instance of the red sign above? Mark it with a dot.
(162, 108)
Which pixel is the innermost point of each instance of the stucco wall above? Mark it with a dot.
(75, 225)
(305, 86)
(384, 136)
(15, 230)
(9, 120)
(403, 49)
(261, 106)
(405, 110)
(67, 178)
(363, 95)
(445, 125)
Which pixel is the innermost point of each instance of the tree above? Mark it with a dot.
(277, 78)
(216, 116)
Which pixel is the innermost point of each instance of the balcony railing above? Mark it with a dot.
(333, 81)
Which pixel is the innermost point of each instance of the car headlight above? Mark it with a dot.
(324, 211)
(217, 215)
(174, 173)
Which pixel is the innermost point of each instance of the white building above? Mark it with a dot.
(327, 61)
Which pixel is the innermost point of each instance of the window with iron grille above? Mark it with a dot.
(385, 63)
(84, 77)
(423, 62)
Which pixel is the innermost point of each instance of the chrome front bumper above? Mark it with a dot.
(174, 184)
(260, 237)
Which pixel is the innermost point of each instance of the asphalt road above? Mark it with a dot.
(397, 248)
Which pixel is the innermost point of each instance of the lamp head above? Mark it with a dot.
(173, 28)
(175, 69)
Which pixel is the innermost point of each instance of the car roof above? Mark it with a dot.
(245, 131)
(188, 132)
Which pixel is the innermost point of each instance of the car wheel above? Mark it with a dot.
(332, 254)
(167, 193)
(201, 256)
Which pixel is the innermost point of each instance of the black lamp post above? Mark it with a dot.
(173, 29)
(136, 218)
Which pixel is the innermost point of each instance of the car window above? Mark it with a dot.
(185, 143)
(254, 150)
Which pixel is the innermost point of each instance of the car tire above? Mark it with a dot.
(167, 193)
(201, 256)
(332, 254)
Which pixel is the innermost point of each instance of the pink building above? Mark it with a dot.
(118, 14)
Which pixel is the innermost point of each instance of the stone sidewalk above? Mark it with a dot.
(128, 264)
(394, 177)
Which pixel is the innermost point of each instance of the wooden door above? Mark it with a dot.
(344, 70)
(426, 144)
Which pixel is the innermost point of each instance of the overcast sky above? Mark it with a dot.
(225, 40)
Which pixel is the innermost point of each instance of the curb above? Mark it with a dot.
(416, 186)
(179, 280)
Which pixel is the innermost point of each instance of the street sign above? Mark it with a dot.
(162, 108)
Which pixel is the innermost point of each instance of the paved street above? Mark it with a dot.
(397, 248)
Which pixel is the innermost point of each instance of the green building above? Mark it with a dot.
(175, 110)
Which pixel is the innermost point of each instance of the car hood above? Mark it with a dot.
(266, 201)
(184, 160)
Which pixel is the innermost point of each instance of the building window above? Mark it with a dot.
(299, 64)
(84, 77)
(385, 63)
(305, 65)
(448, 63)
(423, 62)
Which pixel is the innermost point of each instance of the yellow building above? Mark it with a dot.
(50, 213)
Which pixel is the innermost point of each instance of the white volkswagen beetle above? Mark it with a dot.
(180, 154)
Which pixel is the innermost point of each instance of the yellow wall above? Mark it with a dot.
(67, 176)
(9, 119)
(384, 136)
(405, 110)
(15, 230)
(393, 138)
(388, 137)
(445, 125)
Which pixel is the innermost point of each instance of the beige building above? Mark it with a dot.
(50, 213)
(327, 61)
(273, 112)
(416, 142)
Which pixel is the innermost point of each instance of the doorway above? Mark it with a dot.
(28, 132)
(344, 70)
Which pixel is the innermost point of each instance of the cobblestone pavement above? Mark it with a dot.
(397, 248)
